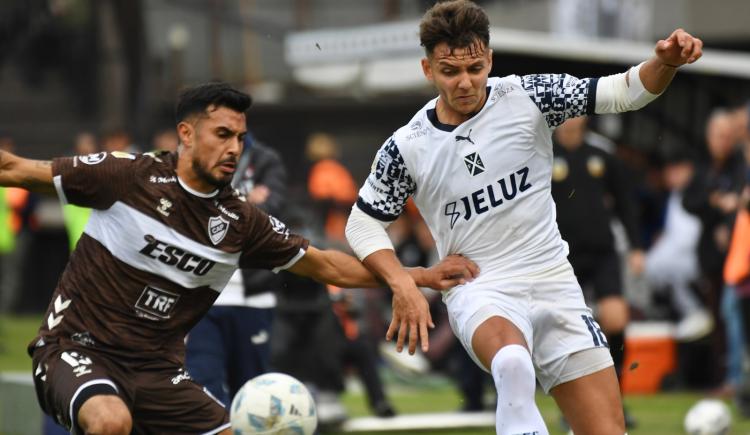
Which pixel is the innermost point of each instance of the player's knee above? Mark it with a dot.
(106, 416)
(512, 367)
(111, 424)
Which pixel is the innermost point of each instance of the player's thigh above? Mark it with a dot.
(563, 327)
(489, 316)
(592, 404)
(67, 378)
(169, 401)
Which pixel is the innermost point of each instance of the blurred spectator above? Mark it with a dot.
(672, 261)
(330, 185)
(358, 352)
(7, 235)
(737, 275)
(118, 139)
(713, 196)
(20, 204)
(590, 188)
(735, 306)
(85, 143)
(308, 341)
(165, 140)
(231, 344)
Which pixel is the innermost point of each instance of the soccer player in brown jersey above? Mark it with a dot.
(165, 235)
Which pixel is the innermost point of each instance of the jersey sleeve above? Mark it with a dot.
(94, 180)
(271, 245)
(561, 96)
(389, 185)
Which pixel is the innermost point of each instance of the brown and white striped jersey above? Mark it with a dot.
(154, 256)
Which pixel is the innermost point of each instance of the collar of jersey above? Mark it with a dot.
(195, 192)
(432, 115)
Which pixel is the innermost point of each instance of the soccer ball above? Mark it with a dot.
(273, 403)
(708, 417)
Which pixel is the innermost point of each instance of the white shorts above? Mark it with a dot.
(547, 307)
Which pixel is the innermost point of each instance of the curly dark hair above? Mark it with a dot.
(459, 23)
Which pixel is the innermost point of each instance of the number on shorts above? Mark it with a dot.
(595, 330)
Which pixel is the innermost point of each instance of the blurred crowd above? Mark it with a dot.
(678, 221)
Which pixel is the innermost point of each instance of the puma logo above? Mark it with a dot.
(467, 138)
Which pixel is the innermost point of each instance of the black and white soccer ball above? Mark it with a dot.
(273, 403)
(708, 417)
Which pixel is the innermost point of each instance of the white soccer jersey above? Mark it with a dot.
(483, 187)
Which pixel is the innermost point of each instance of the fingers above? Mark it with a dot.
(691, 47)
(685, 42)
(679, 48)
(473, 269)
(392, 328)
(697, 50)
(423, 336)
(413, 336)
(401, 336)
(460, 265)
(675, 36)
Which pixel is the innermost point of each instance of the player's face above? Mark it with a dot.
(215, 142)
(460, 75)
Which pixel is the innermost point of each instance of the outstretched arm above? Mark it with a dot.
(410, 307)
(678, 49)
(34, 175)
(643, 83)
(343, 270)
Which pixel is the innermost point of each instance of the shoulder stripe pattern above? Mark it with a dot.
(560, 96)
(146, 244)
(388, 186)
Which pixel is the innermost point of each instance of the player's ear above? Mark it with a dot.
(186, 132)
(427, 69)
(489, 60)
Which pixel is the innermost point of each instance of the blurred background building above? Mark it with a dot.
(345, 67)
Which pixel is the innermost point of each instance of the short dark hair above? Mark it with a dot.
(459, 23)
(197, 99)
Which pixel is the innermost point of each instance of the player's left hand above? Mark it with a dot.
(679, 48)
(411, 316)
(453, 270)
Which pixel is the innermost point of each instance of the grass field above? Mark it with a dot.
(659, 414)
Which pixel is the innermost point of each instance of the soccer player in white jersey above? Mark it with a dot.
(477, 161)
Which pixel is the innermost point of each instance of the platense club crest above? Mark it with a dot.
(217, 229)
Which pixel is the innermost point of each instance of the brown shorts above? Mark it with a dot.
(163, 401)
